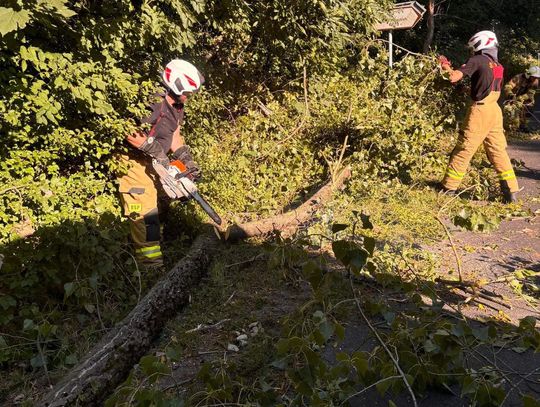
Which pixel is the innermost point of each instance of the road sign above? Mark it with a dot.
(403, 16)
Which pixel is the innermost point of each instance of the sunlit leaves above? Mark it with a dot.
(11, 20)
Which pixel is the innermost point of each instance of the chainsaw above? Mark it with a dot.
(177, 183)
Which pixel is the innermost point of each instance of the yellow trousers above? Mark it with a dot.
(484, 124)
(139, 199)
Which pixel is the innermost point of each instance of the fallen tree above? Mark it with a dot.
(107, 364)
(289, 221)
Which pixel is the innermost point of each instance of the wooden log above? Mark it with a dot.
(108, 363)
(290, 220)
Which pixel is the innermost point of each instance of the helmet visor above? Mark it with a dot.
(179, 86)
(183, 90)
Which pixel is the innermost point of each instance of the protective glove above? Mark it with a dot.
(152, 147)
(443, 61)
(183, 154)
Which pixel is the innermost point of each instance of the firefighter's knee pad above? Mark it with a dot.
(151, 221)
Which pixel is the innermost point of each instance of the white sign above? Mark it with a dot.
(403, 16)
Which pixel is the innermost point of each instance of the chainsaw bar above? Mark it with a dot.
(206, 207)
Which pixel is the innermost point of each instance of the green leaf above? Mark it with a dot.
(349, 254)
(468, 386)
(530, 401)
(147, 364)
(383, 387)
(481, 334)
(313, 273)
(28, 324)
(326, 328)
(64, 11)
(45, 329)
(69, 289)
(341, 248)
(173, 354)
(527, 323)
(7, 301)
(358, 259)
(282, 346)
(430, 347)
(151, 365)
(360, 362)
(37, 361)
(11, 20)
(342, 357)
(90, 308)
(280, 364)
(340, 331)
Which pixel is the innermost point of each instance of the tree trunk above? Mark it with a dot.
(431, 26)
(290, 220)
(108, 363)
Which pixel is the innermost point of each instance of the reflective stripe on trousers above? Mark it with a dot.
(150, 252)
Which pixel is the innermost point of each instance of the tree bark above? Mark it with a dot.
(108, 363)
(290, 220)
(430, 25)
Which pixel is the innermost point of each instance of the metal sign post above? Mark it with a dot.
(390, 48)
(403, 16)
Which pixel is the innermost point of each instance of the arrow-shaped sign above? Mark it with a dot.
(403, 16)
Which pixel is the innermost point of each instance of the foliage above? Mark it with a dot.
(296, 134)
(307, 366)
(276, 39)
(391, 130)
(471, 219)
(76, 76)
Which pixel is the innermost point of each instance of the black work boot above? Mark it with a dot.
(508, 196)
(443, 190)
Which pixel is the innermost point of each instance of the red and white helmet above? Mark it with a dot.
(181, 77)
(533, 71)
(483, 40)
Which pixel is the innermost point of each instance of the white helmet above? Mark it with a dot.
(483, 40)
(180, 77)
(533, 71)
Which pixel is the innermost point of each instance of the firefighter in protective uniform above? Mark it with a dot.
(520, 94)
(523, 83)
(484, 121)
(138, 188)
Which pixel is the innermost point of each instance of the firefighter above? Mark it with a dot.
(484, 121)
(520, 94)
(158, 136)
